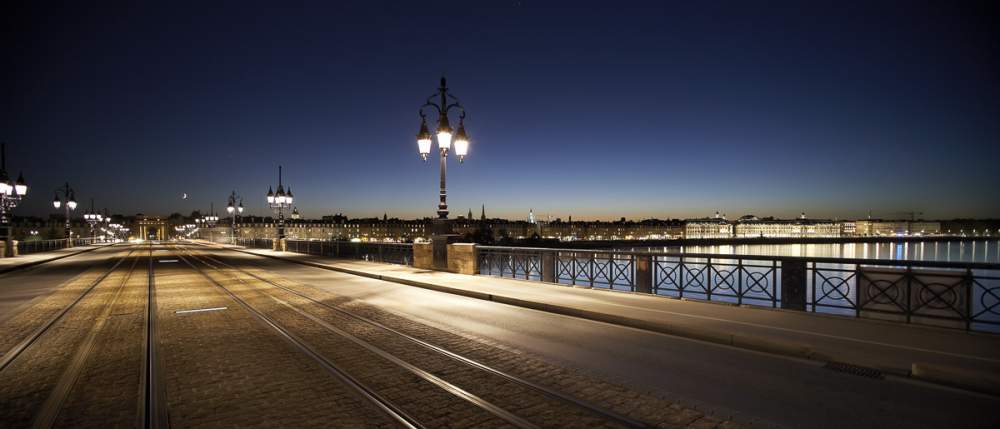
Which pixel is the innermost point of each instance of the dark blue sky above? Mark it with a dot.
(658, 109)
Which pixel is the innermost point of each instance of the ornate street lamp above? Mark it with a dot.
(441, 231)
(93, 218)
(234, 209)
(69, 202)
(107, 222)
(10, 196)
(209, 222)
(279, 202)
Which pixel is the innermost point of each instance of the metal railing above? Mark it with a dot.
(26, 247)
(952, 294)
(393, 253)
(255, 243)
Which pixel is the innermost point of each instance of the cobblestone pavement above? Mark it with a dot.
(107, 390)
(222, 366)
(225, 368)
(19, 327)
(523, 401)
(30, 380)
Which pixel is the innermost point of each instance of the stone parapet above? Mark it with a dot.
(423, 256)
(463, 258)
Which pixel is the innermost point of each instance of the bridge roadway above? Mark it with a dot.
(237, 339)
(167, 335)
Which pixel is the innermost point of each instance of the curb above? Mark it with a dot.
(42, 261)
(977, 381)
(784, 348)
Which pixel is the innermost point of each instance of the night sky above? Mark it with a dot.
(603, 110)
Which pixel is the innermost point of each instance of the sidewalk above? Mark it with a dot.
(30, 260)
(893, 348)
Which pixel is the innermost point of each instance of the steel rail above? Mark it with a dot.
(19, 348)
(627, 421)
(366, 392)
(46, 417)
(425, 375)
(153, 412)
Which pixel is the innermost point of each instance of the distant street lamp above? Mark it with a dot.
(234, 209)
(10, 196)
(279, 202)
(107, 223)
(93, 218)
(209, 222)
(69, 202)
(441, 231)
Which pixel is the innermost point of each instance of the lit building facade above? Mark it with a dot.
(874, 227)
(777, 228)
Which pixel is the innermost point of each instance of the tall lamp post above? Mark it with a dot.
(234, 209)
(93, 218)
(442, 101)
(10, 196)
(279, 202)
(69, 202)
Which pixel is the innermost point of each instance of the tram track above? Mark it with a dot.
(105, 327)
(152, 411)
(483, 374)
(18, 349)
(49, 412)
(383, 404)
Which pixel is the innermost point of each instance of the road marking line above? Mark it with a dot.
(164, 261)
(200, 310)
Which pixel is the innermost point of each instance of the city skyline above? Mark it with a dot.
(641, 111)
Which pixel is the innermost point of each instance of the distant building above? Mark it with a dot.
(709, 227)
(801, 227)
(848, 228)
(878, 227)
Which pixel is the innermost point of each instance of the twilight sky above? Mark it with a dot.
(602, 110)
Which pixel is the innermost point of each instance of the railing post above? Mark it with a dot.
(549, 266)
(708, 279)
(644, 273)
(793, 284)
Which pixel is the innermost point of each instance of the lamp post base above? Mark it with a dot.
(279, 245)
(441, 236)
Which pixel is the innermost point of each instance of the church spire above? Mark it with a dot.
(482, 216)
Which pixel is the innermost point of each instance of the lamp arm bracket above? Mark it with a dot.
(435, 106)
(459, 106)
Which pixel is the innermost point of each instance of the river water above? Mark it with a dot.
(982, 250)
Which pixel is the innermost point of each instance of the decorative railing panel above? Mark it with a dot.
(520, 264)
(602, 270)
(960, 295)
(738, 280)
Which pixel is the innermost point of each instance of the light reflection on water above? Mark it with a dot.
(949, 251)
